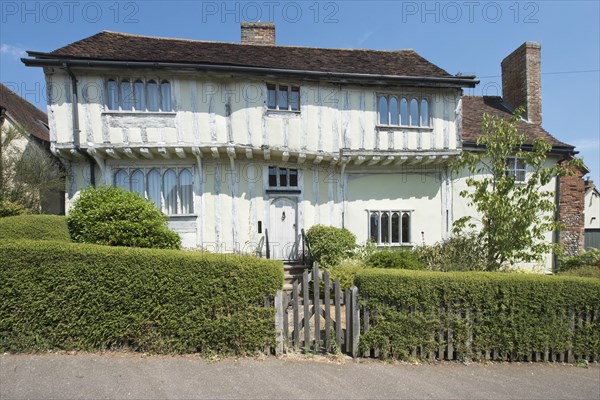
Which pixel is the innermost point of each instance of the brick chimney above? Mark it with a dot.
(521, 80)
(262, 33)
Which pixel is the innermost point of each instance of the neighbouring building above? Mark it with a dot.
(18, 113)
(592, 215)
(243, 145)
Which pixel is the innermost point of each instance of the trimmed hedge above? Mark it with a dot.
(86, 297)
(34, 227)
(518, 314)
(395, 259)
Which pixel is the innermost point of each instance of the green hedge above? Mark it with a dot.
(70, 296)
(518, 314)
(34, 227)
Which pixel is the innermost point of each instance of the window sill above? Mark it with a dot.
(283, 191)
(153, 113)
(403, 128)
(290, 113)
(394, 245)
(176, 216)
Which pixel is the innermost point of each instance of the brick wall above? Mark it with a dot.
(571, 212)
(521, 80)
(258, 33)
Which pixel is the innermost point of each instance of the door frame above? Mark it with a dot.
(295, 200)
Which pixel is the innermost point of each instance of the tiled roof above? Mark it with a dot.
(34, 120)
(113, 46)
(473, 108)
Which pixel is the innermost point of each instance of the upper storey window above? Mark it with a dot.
(403, 111)
(138, 95)
(283, 97)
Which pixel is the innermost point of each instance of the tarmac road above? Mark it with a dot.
(134, 376)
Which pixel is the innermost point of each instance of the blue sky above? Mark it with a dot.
(470, 37)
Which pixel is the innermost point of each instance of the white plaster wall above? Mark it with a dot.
(592, 210)
(331, 116)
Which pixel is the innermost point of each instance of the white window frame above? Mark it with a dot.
(143, 96)
(401, 213)
(419, 99)
(130, 170)
(515, 170)
(290, 88)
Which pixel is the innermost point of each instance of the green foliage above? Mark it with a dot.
(346, 271)
(115, 217)
(27, 170)
(589, 271)
(34, 227)
(401, 258)
(10, 209)
(462, 252)
(588, 258)
(329, 245)
(69, 296)
(516, 313)
(514, 216)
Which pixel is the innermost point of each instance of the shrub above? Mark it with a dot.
(403, 259)
(589, 271)
(10, 209)
(115, 217)
(517, 314)
(588, 258)
(346, 271)
(459, 253)
(69, 296)
(328, 245)
(34, 227)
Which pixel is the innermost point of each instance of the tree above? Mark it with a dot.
(515, 216)
(27, 170)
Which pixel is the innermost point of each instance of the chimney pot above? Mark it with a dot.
(521, 80)
(261, 33)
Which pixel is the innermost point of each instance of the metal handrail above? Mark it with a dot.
(268, 251)
(306, 253)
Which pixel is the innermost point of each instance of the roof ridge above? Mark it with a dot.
(248, 44)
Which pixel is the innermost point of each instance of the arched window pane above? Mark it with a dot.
(152, 89)
(112, 100)
(138, 88)
(122, 179)
(385, 227)
(186, 192)
(126, 95)
(394, 111)
(403, 112)
(137, 182)
(424, 112)
(154, 187)
(165, 95)
(383, 111)
(414, 112)
(395, 228)
(374, 227)
(406, 228)
(170, 191)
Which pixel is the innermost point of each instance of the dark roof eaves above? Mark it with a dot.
(89, 62)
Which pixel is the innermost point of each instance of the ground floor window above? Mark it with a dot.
(171, 189)
(390, 227)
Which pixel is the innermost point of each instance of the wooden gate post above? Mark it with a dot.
(279, 322)
(355, 322)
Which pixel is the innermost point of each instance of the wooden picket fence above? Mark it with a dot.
(317, 316)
